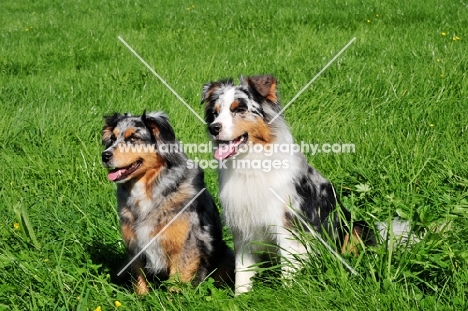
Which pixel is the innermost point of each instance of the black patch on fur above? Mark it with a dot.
(210, 96)
(110, 122)
(325, 212)
(171, 186)
(163, 135)
(161, 124)
(139, 123)
(315, 203)
(210, 113)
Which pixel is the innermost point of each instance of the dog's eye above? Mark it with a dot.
(240, 109)
(113, 138)
(239, 106)
(132, 139)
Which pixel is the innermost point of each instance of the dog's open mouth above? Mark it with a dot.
(227, 149)
(118, 174)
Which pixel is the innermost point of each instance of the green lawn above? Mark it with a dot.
(399, 94)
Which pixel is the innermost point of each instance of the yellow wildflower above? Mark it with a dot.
(16, 225)
(456, 38)
(443, 33)
(117, 303)
(98, 308)
(368, 20)
(431, 125)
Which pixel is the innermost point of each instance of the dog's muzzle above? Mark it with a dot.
(215, 128)
(106, 156)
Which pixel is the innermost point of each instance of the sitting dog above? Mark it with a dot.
(265, 183)
(170, 224)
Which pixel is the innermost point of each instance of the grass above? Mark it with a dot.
(399, 93)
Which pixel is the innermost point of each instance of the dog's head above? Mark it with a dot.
(238, 114)
(137, 144)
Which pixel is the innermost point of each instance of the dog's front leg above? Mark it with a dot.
(291, 251)
(245, 260)
(128, 234)
(140, 284)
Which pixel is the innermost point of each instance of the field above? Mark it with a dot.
(399, 93)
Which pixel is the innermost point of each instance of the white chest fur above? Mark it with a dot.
(249, 195)
(142, 207)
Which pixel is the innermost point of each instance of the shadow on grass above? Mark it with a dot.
(112, 261)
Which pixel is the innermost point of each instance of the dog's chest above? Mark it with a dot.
(137, 199)
(136, 206)
(250, 197)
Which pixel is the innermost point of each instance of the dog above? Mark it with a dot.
(263, 193)
(166, 213)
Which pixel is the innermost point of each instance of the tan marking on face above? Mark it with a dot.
(116, 132)
(129, 132)
(259, 131)
(234, 105)
(151, 162)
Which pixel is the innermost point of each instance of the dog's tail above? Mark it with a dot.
(224, 272)
(397, 231)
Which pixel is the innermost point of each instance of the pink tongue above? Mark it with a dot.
(114, 174)
(225, 151)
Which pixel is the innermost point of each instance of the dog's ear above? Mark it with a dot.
(206, 91)
(159, 126)
(265, 86)
(110, 122)
(209, 88)
(163, 133)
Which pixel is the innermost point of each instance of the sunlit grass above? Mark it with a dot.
(399, 94)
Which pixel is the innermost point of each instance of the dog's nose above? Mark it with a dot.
(106, 156)
(215, 128)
